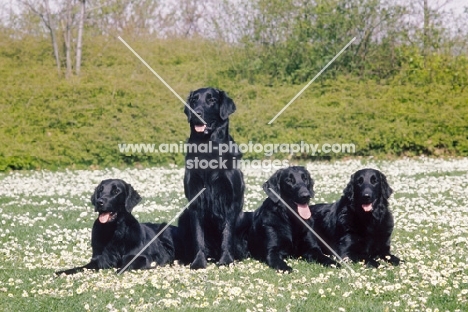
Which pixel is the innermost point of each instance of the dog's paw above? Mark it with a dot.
(371, 263)
(226, 259)
(282, 267)
(336, 265)
(285, 269)
(69, 271)
(199, 262)
(394, 260)
(322, 259)
(331, 263)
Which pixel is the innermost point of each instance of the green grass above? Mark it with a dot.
(50, 230)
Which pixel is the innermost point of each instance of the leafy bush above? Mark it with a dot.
(55, 123)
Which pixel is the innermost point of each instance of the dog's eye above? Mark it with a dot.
(115, 191)
(373, 180)
(360, 180)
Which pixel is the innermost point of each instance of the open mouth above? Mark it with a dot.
(303, 210)
(107, 216)
(200, 128)
(367, 207)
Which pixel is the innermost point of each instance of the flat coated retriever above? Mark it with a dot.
(208, 224)
(276, 231)
(117, 236)
(360, 224)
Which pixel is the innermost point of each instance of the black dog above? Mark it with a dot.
(117, 236)
(277, 232)
(209, 222)
(359, 225)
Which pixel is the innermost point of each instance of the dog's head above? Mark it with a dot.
(366, 188)
(208, 104)
(294, 185)
(113, 197)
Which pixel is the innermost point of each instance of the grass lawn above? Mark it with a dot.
(46, 220)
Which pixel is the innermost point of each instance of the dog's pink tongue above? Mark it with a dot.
(304, 211)
(200, 128)
(367, 207)
(104, 217)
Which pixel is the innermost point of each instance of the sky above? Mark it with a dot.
(458, 6)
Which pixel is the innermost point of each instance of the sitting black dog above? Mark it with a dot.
(208, 224)
(359, 225)
(117, 237)
(276, 231)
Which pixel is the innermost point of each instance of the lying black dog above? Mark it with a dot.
(117, 237)
(359, 225)
(208, 224)
(276, 231)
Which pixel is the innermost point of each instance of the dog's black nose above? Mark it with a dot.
(100, 202)
(304, 196)
(366, 196)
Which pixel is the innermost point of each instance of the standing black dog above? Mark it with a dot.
(209, 222)
(276, 231)
(359, 225)
(117, 236)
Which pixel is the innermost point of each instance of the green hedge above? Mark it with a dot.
(50, 122)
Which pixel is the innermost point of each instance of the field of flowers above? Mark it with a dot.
(46, 220)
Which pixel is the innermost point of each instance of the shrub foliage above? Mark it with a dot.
(50, 122)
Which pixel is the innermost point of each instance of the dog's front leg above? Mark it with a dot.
(226, 244)
(348, 246)
(92, 265)
(312, 252)
(109, 258)
(199, 262)
(275, 254)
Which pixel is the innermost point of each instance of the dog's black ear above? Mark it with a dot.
(273, 183)
(186, 109)
(349, 189)
(133, 198)
(227, 106)
(95, 194)
(386, 189)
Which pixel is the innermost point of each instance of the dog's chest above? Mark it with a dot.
(368, 227)
(102, 235)
(208, 155)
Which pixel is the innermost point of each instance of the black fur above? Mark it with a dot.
(276, 231)
(208, 224)
(350, 230)
(117, 236)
